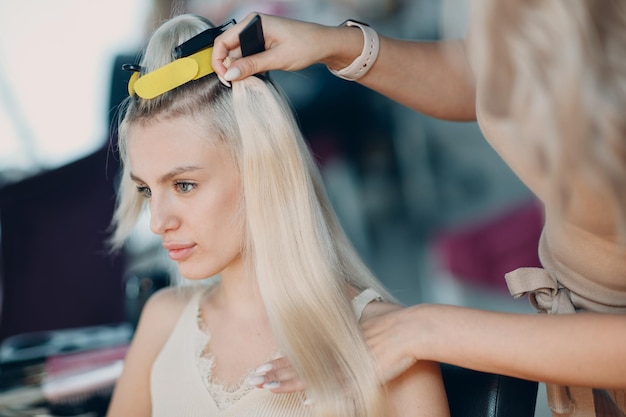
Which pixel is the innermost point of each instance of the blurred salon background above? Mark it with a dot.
(428, 204)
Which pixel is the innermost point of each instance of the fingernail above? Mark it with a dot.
(255, 380)
(232, 74)
(271, 385)
(223, 81)
(263, 369)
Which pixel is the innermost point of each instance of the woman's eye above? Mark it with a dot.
(184, 187)
(144, 191)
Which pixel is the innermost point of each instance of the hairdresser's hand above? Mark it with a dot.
(394, 339)
(278, 376)
(397, 339)
(290, 45)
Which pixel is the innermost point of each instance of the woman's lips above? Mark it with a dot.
(179, 253)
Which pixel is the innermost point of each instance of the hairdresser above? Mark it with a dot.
(547, 83)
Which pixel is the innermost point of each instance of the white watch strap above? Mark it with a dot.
(362, 64)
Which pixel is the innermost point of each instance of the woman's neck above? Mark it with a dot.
(238, 294)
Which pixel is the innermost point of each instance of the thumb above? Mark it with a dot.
(244, 67)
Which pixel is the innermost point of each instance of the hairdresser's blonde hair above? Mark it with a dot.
(294, 245)
(563, 64)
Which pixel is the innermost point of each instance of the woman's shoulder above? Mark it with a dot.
(164, 307)
(171, 298)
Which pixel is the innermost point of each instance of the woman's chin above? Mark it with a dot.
(191, 274)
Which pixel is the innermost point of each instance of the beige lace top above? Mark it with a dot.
(182, 382)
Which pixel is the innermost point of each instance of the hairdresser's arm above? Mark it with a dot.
(418, 391)
(431, 77)
(131, 396)
(578, 349)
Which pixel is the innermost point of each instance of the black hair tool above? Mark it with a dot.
(201, 41)
(251, 37)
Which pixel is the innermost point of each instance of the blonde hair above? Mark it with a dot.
(301, 258)
(562, 64)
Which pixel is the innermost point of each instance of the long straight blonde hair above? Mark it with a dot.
(295, 247)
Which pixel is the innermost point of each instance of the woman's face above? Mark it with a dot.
(193, 190)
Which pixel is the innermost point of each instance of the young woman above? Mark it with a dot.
(546, 81)
(235, 194)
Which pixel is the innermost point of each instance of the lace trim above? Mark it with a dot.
(223, 393)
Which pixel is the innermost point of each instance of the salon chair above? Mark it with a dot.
(479, 394)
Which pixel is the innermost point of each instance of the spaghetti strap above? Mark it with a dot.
(363, 299)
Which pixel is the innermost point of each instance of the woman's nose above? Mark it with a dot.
(162, 215)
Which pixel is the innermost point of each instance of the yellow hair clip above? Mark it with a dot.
(172, 75)
(193, 61)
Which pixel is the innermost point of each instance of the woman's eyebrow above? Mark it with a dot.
(136, 178)
(168, 176)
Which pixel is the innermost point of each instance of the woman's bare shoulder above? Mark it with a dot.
(172, 297)
(158, 319)
(164, 307)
